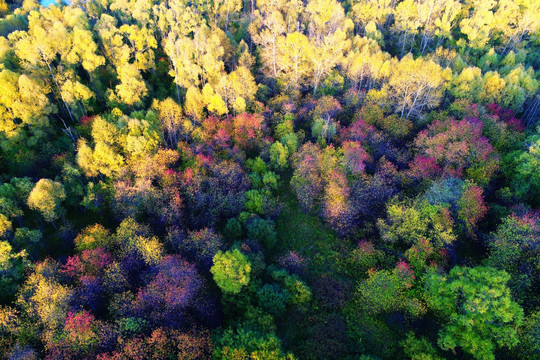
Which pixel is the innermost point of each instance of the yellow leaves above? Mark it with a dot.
(326, 17)
(4, 8)
(223, 8)
(5, 254)
(139, 141)
(8, 319)
(47, 299)
(479, 25)
(446, 21)
(214, 103)
(132, 88)
(199, 60)
(181, 52)
(103, 159)
(243, 83)
(194, 103)
(239, 105)
(366, 65)
(365, 11)
(104, 131)
(293, 58)
(151, 249)
(469, 84)
(272, 26)
(5, 226)
(142, 40)
(115, 144)
(73, 91)
(46, 197)
(177, 17)
(235, 88)
(84, 50)
(415, 85)
(493, 86)
(171, 117)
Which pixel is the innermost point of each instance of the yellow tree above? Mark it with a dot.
(480, 23)
(265, 32)
(130, 48)
(25, 99)
(176, 21)
(325, 56)
(173, 123)
(327, 33)
(224, 8)
(43, 298)
(46, 197)
(58, 33)
(415, 85)
(236, 88)
(293, 60)
(365, 11)
(515, 19)
(365, 65)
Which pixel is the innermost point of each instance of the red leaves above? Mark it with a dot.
(91, 262)
(455, 146)
(424, 168)
(355, 156)
(472, 207)
(247, 129)
(78, 323)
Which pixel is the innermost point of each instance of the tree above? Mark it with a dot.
(415, 85)
(262, 230)
(421, 221)
(475, 303)
(419, 349)
(337, 208)
(479, 25)
(201, 246)
(293, 60)
(459, 148)
(471, 205)
(468, 84)
(43, 298)
(307, 182)
(514, 249)
(12, 268)
(365, 11)
(224, 8)
(92, 237)
(271, 27)
(173, 124)
(279, 155)
(387, 291)
(245, 343)
(24, 98)
(172, 291)
(46, 197)
(526, 178)
(231, 271)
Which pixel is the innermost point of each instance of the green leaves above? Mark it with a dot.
(475, 303)
(231, 271)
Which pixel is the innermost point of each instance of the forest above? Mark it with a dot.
(270, 179)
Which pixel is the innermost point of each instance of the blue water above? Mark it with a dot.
(48, 2)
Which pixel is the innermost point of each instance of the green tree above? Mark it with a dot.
(231, 271)
(279, 155)
(478, 311)
(12, 270)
